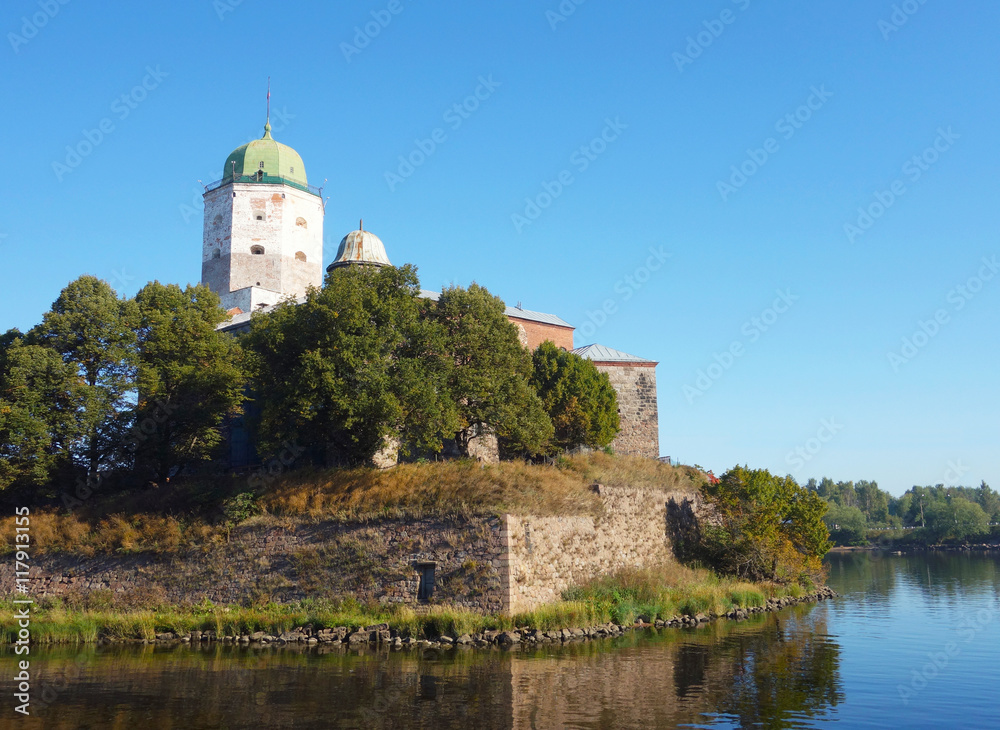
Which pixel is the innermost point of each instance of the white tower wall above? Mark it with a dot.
(242, 219)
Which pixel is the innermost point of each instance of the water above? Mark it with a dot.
(912, 642)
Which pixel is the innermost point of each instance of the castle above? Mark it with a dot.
(263, 243)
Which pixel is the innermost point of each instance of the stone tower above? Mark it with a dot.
(263, 237)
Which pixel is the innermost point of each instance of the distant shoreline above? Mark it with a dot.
(915, 548)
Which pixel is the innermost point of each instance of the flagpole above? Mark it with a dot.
(268, 99)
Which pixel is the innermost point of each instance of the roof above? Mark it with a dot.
(360, 247)
(515, 312)
(600, 353)
(242, 319)
(276, 160)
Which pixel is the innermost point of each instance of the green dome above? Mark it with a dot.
(274, 159)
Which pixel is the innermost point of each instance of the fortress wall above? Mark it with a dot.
(506, 564)
(373, 562)
(550, 554)
(635, 385)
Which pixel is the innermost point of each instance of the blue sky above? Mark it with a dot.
(675, 179)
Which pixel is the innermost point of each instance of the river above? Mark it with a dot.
(913, 641)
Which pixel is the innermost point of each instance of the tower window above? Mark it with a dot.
(216, 254)
(291, 170)
(300, 256)
(257, 250)
(260, 217)
(261, 165)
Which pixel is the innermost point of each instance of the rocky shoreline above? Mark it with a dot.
(382, 635)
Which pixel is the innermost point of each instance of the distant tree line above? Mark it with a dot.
(941, 513)
(142, 389)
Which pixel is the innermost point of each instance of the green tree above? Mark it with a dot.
(190, 378)
(488, 380)
(39, 417)
(579, 399)
(352, 366)
(94, 331)
(768, 527)
(989, 501)
(847, 525)
(956, 519)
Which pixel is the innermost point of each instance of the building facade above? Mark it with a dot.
(263, 243)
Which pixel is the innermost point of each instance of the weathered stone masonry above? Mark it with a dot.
(505, 564)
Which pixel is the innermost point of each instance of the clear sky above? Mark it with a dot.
(766, 198)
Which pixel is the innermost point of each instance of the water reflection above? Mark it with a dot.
(768, 672)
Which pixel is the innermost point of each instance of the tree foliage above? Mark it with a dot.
(487, 380)
(767, 527)
(918, 507)
(352, 366)
(39, 413)
(190, 378)
(956, 519)
(93, 331)
(579, 399)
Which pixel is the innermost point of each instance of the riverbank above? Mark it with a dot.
(915, 548)
(416, 632)
(666, 595)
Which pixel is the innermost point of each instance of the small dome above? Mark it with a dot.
(274, 159)
(360, 247)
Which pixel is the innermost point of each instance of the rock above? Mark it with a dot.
(508, 638)
(166, 636)
(360, 637)
(464, 639)
(256, 636)
(446, 640)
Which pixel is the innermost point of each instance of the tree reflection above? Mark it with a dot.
(789, 669)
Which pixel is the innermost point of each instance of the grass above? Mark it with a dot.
(663, 593)
(190, 514)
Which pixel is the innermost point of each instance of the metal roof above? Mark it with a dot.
(600, 353)
(360, 247)
(515, 312)
(267, 156)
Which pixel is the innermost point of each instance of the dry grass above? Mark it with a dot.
(466, 488)
(185, 516)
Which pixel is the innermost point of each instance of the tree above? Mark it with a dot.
(190, 378)
(956, 519)
(579, 399)
(989, 501)
(488, 380)
(39, 417)
(847, 525)
(93, 330)
(349, 368)
(768, 527)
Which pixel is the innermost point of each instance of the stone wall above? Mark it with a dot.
(635, 385)
(547, 555)
(380, 562)
(506, 564)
